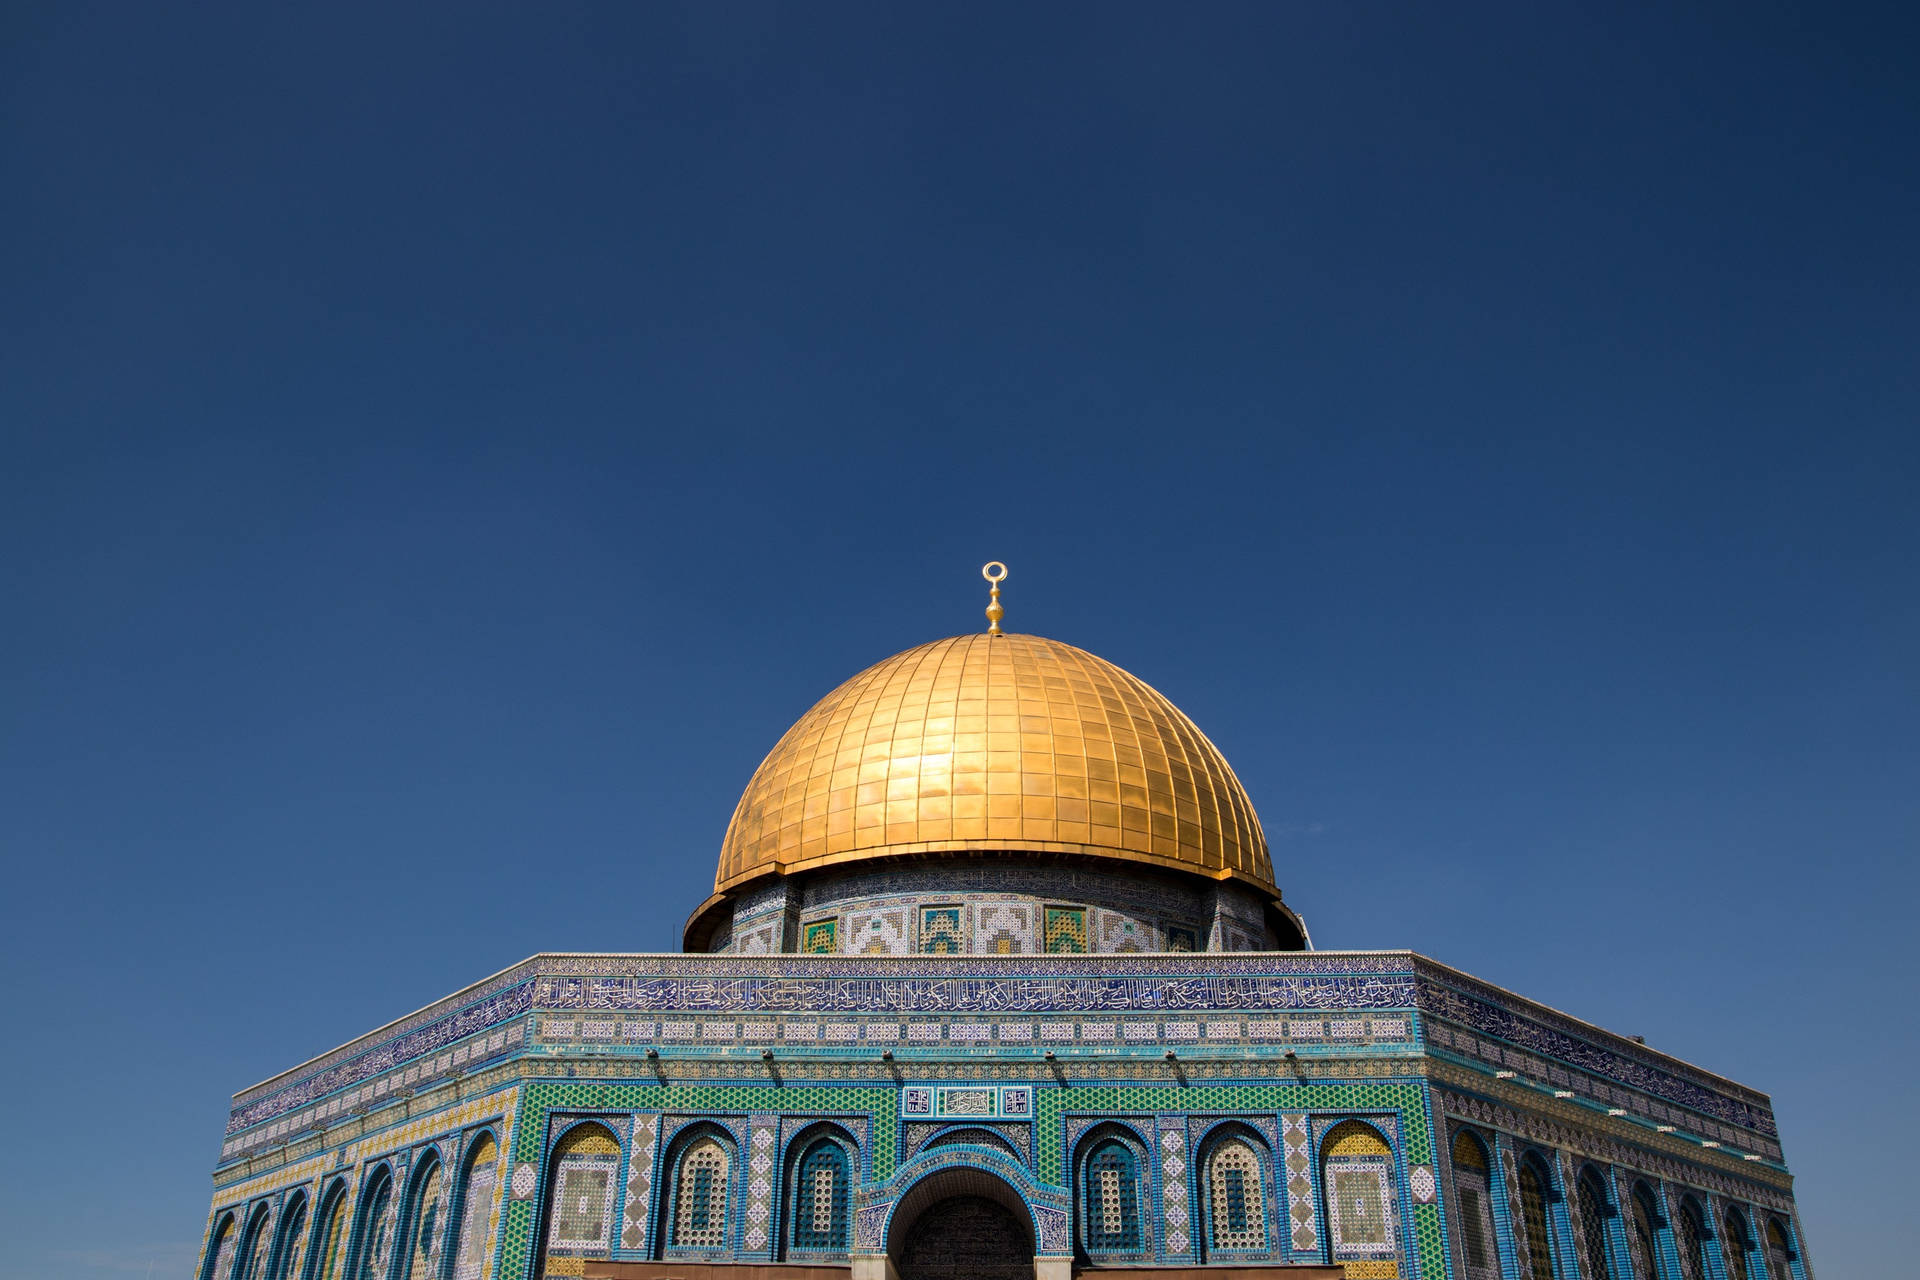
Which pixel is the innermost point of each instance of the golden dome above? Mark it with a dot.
(994, 743)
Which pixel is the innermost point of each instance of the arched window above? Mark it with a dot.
(1473, 1198)
(426, 1221)
(1236, 1198)
(256, 1242)
(473, 1245)
(1357, 1174)
(1646, 1241)
(327, 1257)
(219, 1251)
(1594, 1212)
(293, 1221)
(818, 1205)
(700, 1196)
(1690, 1238)
(1735, 1240)
(1110, 1200)
(375, 1227)
(1536, 1239)
(580, 1191)
(1779, 1251)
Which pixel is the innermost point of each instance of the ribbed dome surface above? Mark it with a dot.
(984, 743)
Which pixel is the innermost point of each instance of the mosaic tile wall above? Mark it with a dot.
(1289, 1043)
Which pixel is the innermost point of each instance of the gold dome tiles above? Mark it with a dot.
(980, 743)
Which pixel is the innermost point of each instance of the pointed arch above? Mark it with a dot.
(701, 1206)
(1234, 1191)
(1473, 1201)
(582, 1173)
(293, 1222)
(326, 1256)
(1109, 1192)
(219, 1247)
(1780, 1250)
(1359, 1190)
(973, 1136)
(1690, 1235)
(1736, 1241)
(256, 1243)
(1596, 1210)
(425, 1219)
(1533, 1224)
(476, 1207)
(373, 1226)
(819, 1182)
(1645, 1233)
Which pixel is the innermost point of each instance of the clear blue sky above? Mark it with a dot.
(443, 449)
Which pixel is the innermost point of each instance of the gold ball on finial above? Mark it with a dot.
(995, 573)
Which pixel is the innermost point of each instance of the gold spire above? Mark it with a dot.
(995, 610)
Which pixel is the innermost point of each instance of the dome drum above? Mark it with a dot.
(979, 904)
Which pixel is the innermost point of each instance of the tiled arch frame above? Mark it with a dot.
(216, 1250)
(1695, 1206)
(1047, 1208)
(425, 1158)
(563, 1127)
(1398, 1260)
(460, 1194)
(1140, 1146)
(1613, 1214)
(261, 1218)
(1796, 1243)
(335, 1193)
(1207, 1136)
(1661, 1224)
(682, 1133)
(1545, 1162)
(291, 1223)
(1495, 1208)
(794, 1146)
(370, 1212)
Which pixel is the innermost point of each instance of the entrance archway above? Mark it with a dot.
(962, 1224)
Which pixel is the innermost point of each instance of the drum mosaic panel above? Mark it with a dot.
(1065, 929)
(940, 931)
(996, 908)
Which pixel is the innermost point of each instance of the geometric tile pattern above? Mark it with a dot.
(970, 1042)
(1297, 1156)
(633, 1229)
(1066, 929)
(1177, 1240)
(761, 1147)
(940, 932)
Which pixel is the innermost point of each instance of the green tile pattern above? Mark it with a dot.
(1408, 1098)
(517, 1222)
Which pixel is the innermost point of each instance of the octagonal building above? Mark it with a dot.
(996, 981)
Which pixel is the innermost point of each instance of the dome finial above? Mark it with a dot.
(995, 573)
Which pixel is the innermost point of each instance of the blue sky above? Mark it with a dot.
(442, 449)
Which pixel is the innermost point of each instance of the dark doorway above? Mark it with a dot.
(966, 1238)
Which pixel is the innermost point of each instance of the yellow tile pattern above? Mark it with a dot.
(994, 742)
